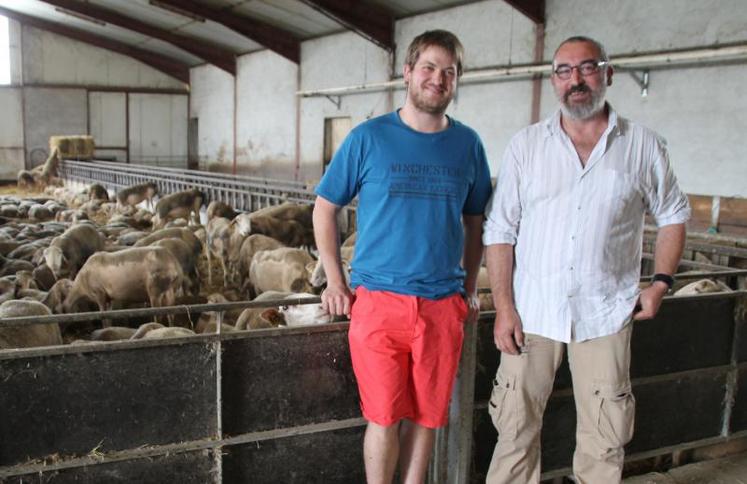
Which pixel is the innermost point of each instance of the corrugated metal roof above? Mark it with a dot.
(298, 19)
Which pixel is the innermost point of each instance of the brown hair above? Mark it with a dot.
(440, 38)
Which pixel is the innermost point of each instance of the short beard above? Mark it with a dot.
(586, 110)
(426, 107)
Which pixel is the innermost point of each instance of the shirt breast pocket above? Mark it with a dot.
(618, 190)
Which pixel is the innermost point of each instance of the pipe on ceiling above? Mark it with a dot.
(701, 56)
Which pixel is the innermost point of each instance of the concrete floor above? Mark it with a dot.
(729, 470)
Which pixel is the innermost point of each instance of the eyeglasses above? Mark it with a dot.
(585, 68)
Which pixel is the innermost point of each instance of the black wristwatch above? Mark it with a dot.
(665, 278)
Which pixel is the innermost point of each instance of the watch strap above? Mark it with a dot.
(665, 278)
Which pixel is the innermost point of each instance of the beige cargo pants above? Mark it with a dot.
(605, 408)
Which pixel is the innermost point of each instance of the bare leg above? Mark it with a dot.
(380, 451)
(416, 446)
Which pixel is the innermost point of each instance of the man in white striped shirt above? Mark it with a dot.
(563, 237)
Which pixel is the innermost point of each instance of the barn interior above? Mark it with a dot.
(191, 134)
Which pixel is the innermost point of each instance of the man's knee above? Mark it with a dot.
(516, 406)
(383, 430)
(612, 418)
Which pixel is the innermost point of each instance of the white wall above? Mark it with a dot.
(51, 112)
(107, 118)
(493, 34)
(702, 112)
(61, 81)
(53, 59)
(16, 59)
(158, 129)
(337, 60)
(211, 101)
(266, 105)
(11, 132)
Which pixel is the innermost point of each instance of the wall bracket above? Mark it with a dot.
(641, 80)
(336, 100)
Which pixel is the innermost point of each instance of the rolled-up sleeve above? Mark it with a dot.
(665, 201)
(504, 208)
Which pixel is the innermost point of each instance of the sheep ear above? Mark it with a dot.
(270, 314)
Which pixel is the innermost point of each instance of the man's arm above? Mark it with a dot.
(336, 297)
(670, 242)
(507, 331)
(471, 260)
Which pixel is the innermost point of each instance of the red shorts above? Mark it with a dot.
(405, 352)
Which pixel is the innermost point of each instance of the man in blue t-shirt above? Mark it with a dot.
(418, 174)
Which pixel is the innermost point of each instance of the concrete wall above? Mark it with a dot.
(158, 129)
(56, 90)
(266, 87)
(493, 34)
(702, 112)
(11, 132)
(51, 112)
(53, 59)
(16, 59)
(211, 102)
(337, 60)
(107, 118)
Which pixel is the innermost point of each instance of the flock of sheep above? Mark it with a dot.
(68, 252)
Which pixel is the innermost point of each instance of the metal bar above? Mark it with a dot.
(161, 311)
(713, 54)
(740, 312)
(99, 88)
(461, 412)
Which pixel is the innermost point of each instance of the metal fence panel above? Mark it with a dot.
(71, 404)
(286, 381)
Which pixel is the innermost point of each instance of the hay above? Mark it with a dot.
(79, 147)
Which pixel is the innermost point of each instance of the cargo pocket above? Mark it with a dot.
(502, 406)
(615, 405)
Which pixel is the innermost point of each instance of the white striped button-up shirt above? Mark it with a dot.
(578, 230)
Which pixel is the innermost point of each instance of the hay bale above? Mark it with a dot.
(79, 147)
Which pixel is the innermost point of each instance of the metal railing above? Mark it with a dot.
(241, 192)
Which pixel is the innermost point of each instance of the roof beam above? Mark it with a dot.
(165, 64)
(534, 9)
(370, 21)
(217, 56)
(276, 39)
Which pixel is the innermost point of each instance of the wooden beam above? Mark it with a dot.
(211, 54)
(368, 20)
(165, 64)
(534, 9)
(276, 39)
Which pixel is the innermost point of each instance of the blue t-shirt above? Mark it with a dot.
(412, 190)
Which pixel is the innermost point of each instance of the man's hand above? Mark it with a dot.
(649, 301)
(507, 332)
(336, 300)
(473, 307)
